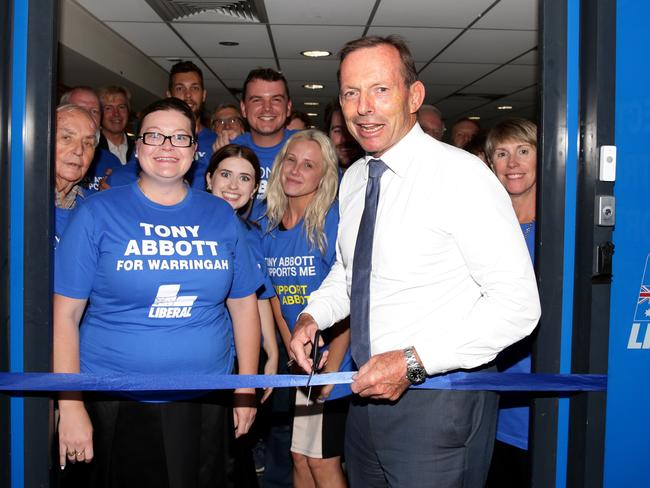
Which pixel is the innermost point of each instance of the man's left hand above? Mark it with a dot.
(383, 377)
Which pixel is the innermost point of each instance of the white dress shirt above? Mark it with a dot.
(119, 150)
(451, 274)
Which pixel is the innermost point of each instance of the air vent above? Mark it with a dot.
(171, 10)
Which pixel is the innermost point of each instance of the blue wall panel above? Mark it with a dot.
(628, 399)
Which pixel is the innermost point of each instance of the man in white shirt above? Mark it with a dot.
(116, 102)
(451, 284)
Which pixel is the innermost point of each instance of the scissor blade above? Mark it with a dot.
(314, 365)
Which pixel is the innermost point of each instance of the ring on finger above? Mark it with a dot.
(72, 453)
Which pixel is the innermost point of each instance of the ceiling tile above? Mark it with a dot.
(427, 13)
(505, 80)
(290, 40)
(233, 68)
(331, 12)
(489, 46)
(204, 38)
(423, 42)
(509, 14)
(317, 70)
(167, 64)
(531, 58)
(153, 39)
(458, 74)
(120, 10)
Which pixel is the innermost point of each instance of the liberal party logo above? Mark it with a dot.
(640, 333)
(168, 305)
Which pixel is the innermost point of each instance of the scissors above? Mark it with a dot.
(315, 357)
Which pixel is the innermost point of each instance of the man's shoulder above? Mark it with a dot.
(206, 136)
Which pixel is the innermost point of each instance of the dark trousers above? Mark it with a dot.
(427, 438)
(156, 445)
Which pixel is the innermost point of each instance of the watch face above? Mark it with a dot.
(417, 375)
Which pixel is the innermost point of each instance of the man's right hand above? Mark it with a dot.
(223, 139)
(302, 341)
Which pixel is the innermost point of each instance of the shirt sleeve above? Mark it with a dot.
(76, 256)
(247, 277)
(490, 241)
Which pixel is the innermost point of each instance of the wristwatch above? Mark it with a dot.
(415, 372)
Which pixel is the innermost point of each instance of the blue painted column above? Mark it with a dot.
(16, 236)
(627, 447)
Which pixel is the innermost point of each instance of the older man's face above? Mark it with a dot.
(75, 146)
(378, 107)
(89, 101)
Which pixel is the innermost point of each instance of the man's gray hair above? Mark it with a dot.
(71, 107)
(430, 108)
(65, 98)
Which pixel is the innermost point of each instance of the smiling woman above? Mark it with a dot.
(157, 262)
(300, 228)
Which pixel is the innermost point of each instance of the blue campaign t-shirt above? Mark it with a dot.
(266, 155)
(124, 174)
(196, 175)
(297, 269)
(156, 278)
(514, 412)
(254, 239)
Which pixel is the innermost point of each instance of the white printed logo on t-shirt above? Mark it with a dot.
(168, 305)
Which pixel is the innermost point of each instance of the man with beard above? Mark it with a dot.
(348, 149)
(186, 83)
(265, 105)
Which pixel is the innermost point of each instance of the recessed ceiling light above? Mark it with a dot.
(311, 104)
(229, 43)
(316, 54)
(504, 107)
(313, 86)
(474, 117)
(312, 114)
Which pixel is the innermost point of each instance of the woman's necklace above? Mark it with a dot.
(528, 228)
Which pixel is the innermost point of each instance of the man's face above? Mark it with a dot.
(347, 148)
(463, 132)
(432, 124)
(188, 87)
(266, 106)
(115, 113)
(227, 120)
(378, 107)
(75, 146)
(90, 102)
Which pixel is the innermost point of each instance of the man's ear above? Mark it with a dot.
(242, 108)
(416, 96)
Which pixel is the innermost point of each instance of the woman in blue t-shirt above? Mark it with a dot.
(301, 224)
(511, 148)
(234, 174)
(157, 263)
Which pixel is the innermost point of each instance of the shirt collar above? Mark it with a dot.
(398, 158)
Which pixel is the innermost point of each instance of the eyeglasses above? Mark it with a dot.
(157, 139)
(228, 120)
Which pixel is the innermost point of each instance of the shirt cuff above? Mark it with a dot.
(321, 313)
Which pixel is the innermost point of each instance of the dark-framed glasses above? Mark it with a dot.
(158, 139)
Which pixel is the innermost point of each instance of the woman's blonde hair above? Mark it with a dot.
(316, 211)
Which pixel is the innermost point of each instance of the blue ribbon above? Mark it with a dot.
(52, 382)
